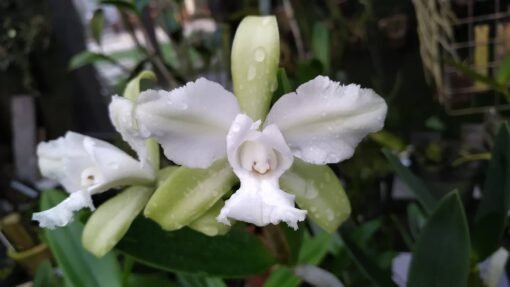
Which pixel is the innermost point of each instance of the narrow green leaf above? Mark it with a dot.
(111, 220)
(96, 25)
(441, 254)
(320, 45)
(503, 73)
(132, 90)
(412, 181)
(416, 219)
(314, 249)
(236, 254)
(207, 223)
(86, 57)
(188, 280)
(120, 4)
(142, 280)
(282, 277)
(255, 57)
(188, 193)
(44, 275)
(317, 190)
(371, 270)
(80, 267)
(388, 140)
(491, 216)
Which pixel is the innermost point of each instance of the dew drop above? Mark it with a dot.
(330, 215)
(236, 128)
(252, 72)
(274, 86)
(260, 54)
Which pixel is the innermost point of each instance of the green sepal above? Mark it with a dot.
(255, 57)
(188, 193)
(132, 90)
(207, 223)
(111, 220)
(318, 191)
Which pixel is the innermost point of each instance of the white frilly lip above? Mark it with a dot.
(84, 166)
(259, 200)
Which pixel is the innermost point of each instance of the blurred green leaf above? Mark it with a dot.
(317, 190)
(236, 254)
(188, 193)
(96, 25)
(441, 254)
(207, 223)
(416, 219)
(320, 45)
(44, 275)
(141, 4)
(84, 58)
(282, 277)
(503, 73)
(188, 280)
(143, 280)
(111, 220)
(388, 140)
(369, 267)
(132, 90)
(415, 184)
(120, 4)
(314, 249)
(283, 242)
(491, 216)
(80, 267)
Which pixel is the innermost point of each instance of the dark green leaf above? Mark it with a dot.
(142, 280)
(188, 280)
(80, 268)
(84, 58)
(415, 184)
(371, 270)
(503, 73)
(283, 242)
(441, 254)
(236, 254)
(96, 25)
(314, 249)
(416, 219)
(44, 275)
(282, 277)
(490, 219)
(120, 4)
(320, 45)
(141, 4)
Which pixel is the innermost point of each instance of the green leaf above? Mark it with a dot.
(388, 140)
(120, 4)
(283, 82)
(236, 254)
(415, 184)
(371, 270)
(490, 219)
(207, 223)
(44, 275)
(503, 73)
(188, 280)
(80, 267)
(416, 219)
(282, 277)
(317, 190)
(188, 193)
(86, 57)
(441, 254)
(111, 220)
(283, 242)
(140, 280)
(255, 57)
(314, 249)
(320, 45)
(96, 25)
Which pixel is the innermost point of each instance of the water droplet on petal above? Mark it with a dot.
(330, 215)
(252, 72)
(236, 128)
(260, 54)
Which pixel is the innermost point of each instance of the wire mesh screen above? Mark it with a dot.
(474, 32)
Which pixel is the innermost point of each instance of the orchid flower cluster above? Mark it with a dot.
(213, 135)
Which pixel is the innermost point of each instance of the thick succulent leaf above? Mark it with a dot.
(236, 254)
(80, 267)
(111, 220)
(188, 193)
(207, 222)
(317, 190)
(441, 254)
(491, 216)
(255, 57)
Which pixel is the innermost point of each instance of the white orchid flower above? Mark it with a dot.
(84, 166)
(320, 123)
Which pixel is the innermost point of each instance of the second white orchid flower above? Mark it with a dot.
(320, 123)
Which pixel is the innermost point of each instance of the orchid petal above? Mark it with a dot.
(63, 213)
(323, 121)
(259, 159)
(190, 123)
(121, 116)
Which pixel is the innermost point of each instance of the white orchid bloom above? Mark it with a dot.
(84, 166)
(321, 123)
